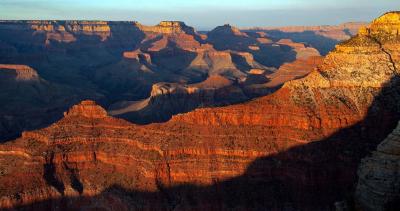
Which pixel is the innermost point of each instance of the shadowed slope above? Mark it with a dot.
(29, 101)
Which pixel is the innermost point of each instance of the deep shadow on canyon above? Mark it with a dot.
(310, 177)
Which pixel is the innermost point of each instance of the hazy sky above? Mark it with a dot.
(203, 14)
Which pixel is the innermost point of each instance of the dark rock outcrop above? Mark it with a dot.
(378, 186)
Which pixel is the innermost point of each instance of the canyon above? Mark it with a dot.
(122, 65)
(294, 138)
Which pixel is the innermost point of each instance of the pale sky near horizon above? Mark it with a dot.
(202, 14)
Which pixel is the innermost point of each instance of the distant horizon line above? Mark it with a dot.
(133, 21)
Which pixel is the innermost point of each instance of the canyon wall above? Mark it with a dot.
(378, 185)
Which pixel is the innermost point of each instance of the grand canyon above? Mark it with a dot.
(117, 115)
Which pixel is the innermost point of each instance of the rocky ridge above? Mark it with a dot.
(66, 159)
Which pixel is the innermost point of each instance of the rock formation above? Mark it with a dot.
(169, 27)
(293, 70)
(168, 99)
(29, 101)
(323, 38)
(296, 149)
(229, 37)
(18, 73)
(302, 51)
(66, 159)
(378, 185)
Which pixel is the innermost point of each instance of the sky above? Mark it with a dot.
(202, 14)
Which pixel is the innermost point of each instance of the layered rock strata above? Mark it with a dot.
(378, 186)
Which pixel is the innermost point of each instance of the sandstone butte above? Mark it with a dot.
(19, 72)
(298, 148)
